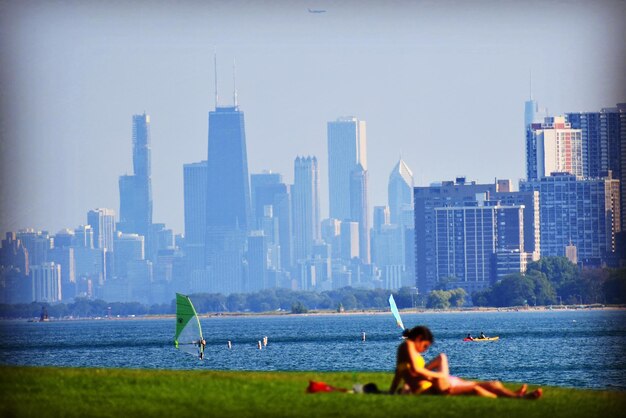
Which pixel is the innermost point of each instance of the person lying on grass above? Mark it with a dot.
(434, 377)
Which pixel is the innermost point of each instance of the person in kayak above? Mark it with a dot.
(469, 337)
(434, 377)
(482, 335)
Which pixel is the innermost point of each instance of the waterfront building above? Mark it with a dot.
(582, 212)
(426, 200)
(554, 147)
(478, 243)
(604, 145)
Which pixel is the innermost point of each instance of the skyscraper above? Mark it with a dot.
(427, 199)
(102, 222)
(195, 189)
(582, 212)
(604, 144)
(347, 147)
(554, 147)
(306, 207)
(228, 216)
(400, 191)
(136, 189)
(359, 210)
(263, 183)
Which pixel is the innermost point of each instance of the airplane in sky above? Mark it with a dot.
(317, 11)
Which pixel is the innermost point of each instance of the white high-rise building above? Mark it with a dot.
(557, 149)
(347, 147)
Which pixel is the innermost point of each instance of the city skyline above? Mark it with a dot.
(395, 68)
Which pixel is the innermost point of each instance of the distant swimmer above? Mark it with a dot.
(229, 345)
(265, 341)
(259, 345)
(363, 336)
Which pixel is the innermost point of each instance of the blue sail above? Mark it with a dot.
(394, 311)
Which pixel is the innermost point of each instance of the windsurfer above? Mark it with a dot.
(201, 346)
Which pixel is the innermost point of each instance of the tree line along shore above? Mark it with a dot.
(552, 282)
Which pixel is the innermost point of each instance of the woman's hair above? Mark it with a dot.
(420, 331)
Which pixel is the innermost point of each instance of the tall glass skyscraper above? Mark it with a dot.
(347, 147)
(228, 215)
(195, 188)
(400, 192)
(136, 189)
(359, 209)
(306, 207)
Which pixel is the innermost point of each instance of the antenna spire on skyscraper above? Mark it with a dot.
(530, 81)
(234, 83)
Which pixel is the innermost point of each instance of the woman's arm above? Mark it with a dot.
(425, 372)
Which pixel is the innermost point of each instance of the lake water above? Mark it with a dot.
(571, 348)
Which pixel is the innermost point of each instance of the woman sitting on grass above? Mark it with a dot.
(435, 378)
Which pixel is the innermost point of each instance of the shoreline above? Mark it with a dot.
(562, 308)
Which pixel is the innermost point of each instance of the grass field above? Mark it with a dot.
(56, 392)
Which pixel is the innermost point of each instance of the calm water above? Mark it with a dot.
(575, 348)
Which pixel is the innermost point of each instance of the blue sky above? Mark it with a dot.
(441, 83)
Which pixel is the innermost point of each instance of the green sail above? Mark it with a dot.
(188, 329)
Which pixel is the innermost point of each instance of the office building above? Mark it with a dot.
(228, 215)
(400, 192)
(306, 207)
(359, 210)
(194, 192)
(102, 223)
(347, 147)
(136, 189)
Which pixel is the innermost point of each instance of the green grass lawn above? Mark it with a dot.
(59, 392)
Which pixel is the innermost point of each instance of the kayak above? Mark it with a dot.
(482, 339)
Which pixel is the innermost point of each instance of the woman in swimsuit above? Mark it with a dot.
(435, 378)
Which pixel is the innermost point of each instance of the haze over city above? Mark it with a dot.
(441, 84)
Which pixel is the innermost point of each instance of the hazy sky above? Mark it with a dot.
(441, 83)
